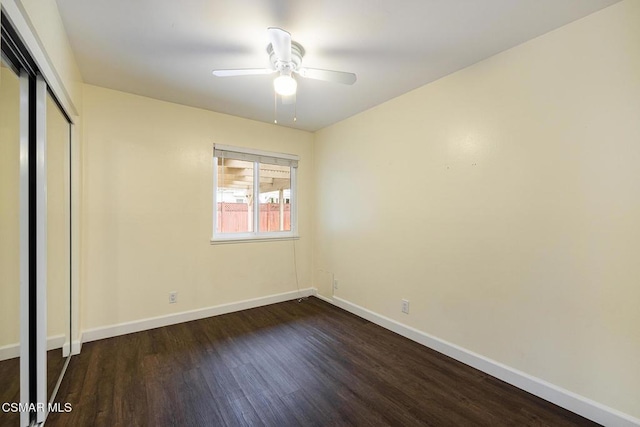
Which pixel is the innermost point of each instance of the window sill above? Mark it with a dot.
(253, 239)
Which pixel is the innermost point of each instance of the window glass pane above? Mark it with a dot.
(275, 198)
(234, 196)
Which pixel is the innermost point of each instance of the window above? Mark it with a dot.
(254, 194)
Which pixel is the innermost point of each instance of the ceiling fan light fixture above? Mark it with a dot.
(285, 85)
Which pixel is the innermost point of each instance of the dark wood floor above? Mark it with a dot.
(287, 364)
(10, 383)
(9, 390)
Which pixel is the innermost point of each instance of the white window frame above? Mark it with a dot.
(255, 156)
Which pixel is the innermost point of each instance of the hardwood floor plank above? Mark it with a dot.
(287, 364)
(245, 412)
(10, 383)
(272, 410)
(9, 390)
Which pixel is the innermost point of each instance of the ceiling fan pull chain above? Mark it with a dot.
(275, 108)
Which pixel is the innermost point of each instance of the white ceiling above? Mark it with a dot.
(167, 49)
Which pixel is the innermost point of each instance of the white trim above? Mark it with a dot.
(293, 201)
(253, 238)
(255, 152)
(76, 346)
(187, 316)
(220, 151)
(564, 398)
(41, 246)
(75, 236)
(25, 353)
(56, 341)
(10, 351)
(255, 226)
(13, 350)
(323, 298)
(214, 198)
(22, 24)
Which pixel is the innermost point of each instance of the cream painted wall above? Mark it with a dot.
(503, 201)
(518, 243)
(9, 208)
(148, 203)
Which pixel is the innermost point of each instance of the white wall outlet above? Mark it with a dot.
(173, 297)
(335, 283)
(405, 306)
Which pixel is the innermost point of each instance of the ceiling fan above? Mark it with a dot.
(286, 59)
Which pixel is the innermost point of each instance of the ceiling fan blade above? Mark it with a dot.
(281, 42)
(243, 72)
(328, 75)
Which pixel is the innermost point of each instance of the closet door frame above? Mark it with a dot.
(37, 77)
(25, 268)
(41, 248)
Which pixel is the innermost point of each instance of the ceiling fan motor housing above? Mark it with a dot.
(284, 67)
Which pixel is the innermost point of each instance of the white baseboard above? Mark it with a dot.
(13, 350)
(76, 346)
(9, 351)
(323, 298)
(186, 316)
(564, 398)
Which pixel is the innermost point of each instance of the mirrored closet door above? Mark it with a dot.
(35, 236)
(9, 240)
(58, 242)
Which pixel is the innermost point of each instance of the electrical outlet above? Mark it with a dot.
(173, 297)
(405, 306)
(335, 283)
